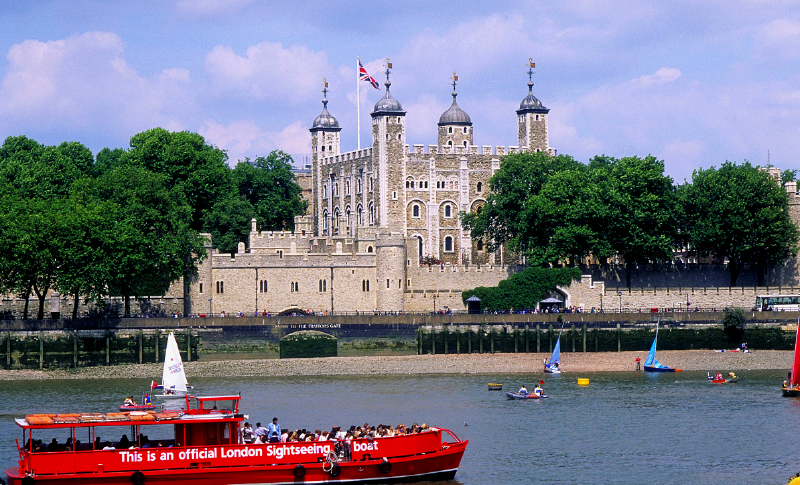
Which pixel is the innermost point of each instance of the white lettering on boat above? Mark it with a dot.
(280, 451)
(365, 446)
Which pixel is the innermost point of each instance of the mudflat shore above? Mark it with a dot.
(701, 360)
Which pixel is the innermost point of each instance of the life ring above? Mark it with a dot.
(27, 480)
(299, 471)
(385, 466)
(137, 478)
(329, 462)
(335, 470)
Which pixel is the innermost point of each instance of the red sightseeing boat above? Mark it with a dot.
(202, 445)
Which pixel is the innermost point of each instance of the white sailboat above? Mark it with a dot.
(551, 367)
(173, 380)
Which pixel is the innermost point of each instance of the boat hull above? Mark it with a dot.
(790, 392)
(441, 465)
(513, 395)
(647, 368)
(139, 407)
(551, 369)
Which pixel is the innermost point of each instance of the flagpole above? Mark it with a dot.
(358, 102)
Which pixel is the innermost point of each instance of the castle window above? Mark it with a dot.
(295, 286)
(447, 211)
(262, 286)
(371, 184)
(450, 130)
(323, 148)
(201, 287)
(415, 210)
(323, 286)
(324, 191)
(347, 187)
(465, 130)
(465, 143)
(325, 220)
(537, 117)
(330, 148)
(450, 143)
(448, 244)
(360, 214)
(394, 195)
(408, 184)
(220, 287)
(280, 253)
(358, 185)
(426, 184)
(364, 285)
(336, 189)
(369, 249)
(479, 187)
(387, 282)
(371, 213)
(399, 137)
(479, 245)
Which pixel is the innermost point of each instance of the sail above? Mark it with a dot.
(174, 377)
(796, 365)
(556, 357)
(651, 360)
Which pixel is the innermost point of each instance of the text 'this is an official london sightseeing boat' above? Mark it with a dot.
(201, 445)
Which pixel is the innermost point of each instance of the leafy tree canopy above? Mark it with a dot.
(523, 290)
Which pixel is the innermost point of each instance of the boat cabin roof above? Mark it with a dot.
(201, 412)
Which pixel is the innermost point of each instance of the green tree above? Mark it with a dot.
(191, 165)
(108, 159)
(152, 243)
(229, 223)
(640, 210)
(523, 290)
(269, 185)
(740, 213)
(502, 219)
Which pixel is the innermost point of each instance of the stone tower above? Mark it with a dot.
(455, 127)
(532, 120)
(325, 142)
(390, 272)
(388, 142)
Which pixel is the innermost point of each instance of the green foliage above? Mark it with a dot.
(788, 175)
(308, 343)
(523, 290)
(269, 185)
(733, 324)
(228, 222)
(192, 166)
(739, 212)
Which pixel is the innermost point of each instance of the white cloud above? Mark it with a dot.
(267, 71)
(84, 82)
(778, 39)
(245, 138)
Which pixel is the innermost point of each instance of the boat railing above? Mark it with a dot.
(452, 435)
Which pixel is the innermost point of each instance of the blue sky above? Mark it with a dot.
(693, 83)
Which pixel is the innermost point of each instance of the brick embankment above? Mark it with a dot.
(702, 360)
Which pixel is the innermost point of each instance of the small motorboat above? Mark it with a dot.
(718, 379)
(530, 395)
(493, 386)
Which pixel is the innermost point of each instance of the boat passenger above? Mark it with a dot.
(147, 400)
(124, 443)
(274, 431)
(523, 391)
(129, 401)
(537, 391)
(719, 376)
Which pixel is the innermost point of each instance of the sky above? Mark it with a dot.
(691, 83)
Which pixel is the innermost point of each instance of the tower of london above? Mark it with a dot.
(377, 218)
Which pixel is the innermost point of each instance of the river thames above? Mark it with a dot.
(624, 427)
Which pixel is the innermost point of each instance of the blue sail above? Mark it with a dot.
(556, 357)
(651, 361)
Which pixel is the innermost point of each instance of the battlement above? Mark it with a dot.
(348, 156)
(460, 150)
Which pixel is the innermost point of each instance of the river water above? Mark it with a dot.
(622, 428)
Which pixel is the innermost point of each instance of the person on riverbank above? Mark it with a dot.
(638, 363)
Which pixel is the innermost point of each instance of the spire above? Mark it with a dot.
(387, 104)
(325, 121)
(454, 115)
(531, 104)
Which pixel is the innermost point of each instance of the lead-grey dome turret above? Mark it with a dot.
(325, 121)
(454, 115)
(531, 103)
(387, 104)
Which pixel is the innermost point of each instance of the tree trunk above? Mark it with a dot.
(41, 296)
(25, 309)
(628, 271)
(735, 268)
(75, 306)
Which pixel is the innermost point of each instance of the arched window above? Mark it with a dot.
(450, 129)
(415, 210)
(324, 191)
(450, 143)
(358, 185)
(448, 244)
(479, 245)
(447, 211)
(336, 189)
(335, 221)
(369, 249)
(465, 130)
(347, 187)
(479, 187)
(465, 143)
(371, 213)
(325, 220)
(360, 215)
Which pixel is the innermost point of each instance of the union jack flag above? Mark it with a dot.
(363, 76)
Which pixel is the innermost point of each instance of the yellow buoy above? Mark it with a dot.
(583, 382)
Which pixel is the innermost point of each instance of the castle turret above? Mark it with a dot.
(325, 142)
(532, 120)
(455, 127)
(390, 272)
(389, 157)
